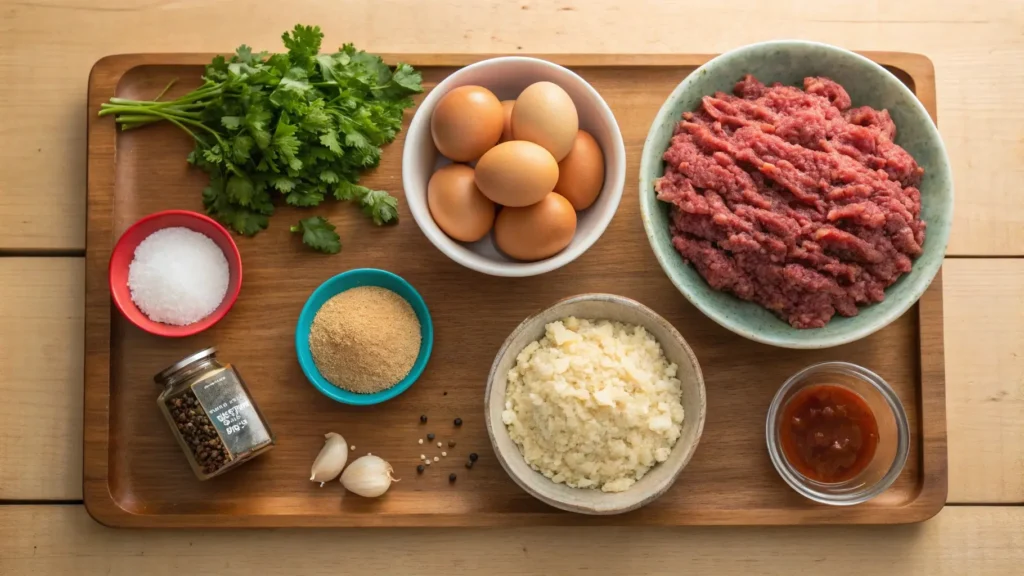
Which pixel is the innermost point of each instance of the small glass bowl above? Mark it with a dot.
(893, 434)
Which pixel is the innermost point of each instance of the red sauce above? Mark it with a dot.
(828, 433)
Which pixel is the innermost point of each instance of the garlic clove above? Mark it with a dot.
(369, 476)
(331, 459)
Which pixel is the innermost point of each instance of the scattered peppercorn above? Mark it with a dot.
(458, 421)
(451, 477)
(423, 419)
(430, 436)
(469, 464)
(446, 393)
(473, 456)
(420, 469)
(451, 443)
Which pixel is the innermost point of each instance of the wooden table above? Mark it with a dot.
(46, 51)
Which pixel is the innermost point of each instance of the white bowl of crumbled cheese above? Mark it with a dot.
(595, 405)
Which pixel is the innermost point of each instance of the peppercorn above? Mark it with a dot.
(420, 468)
(196, 430)
(451, 443)
(469, 464)
(458, 421)
(451, 477)
(430, 436)
(423, 419)
(473, 456)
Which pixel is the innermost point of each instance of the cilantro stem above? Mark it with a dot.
(142, 111)
(176, 119)
(166, 88)
(171, 120)
(136, 120)
(189, 98)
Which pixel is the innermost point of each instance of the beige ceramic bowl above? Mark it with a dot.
(658, 479)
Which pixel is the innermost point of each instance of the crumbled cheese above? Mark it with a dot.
(594, 404)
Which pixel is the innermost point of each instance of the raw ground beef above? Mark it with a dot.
(792, 199)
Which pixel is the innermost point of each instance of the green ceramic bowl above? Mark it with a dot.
(789, 61)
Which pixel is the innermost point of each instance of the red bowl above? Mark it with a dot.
(124, 252)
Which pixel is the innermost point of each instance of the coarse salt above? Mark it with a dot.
(178, 276)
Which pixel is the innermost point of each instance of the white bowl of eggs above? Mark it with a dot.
(513, 166)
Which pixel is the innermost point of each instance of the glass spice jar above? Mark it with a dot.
(211, 414)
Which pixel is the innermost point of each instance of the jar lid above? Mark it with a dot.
(190, 359)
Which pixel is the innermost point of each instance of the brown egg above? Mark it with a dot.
(581, 172)
(538, 231)
(506, 108)
(457, 205)
(466, 123)
(545, 114)
(516, 173)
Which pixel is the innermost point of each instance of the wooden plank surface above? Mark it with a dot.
(50, 47)
(959, 541)
(41, 357)
(41, 326)
(985, 370)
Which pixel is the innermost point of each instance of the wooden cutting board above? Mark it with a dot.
(135, 474)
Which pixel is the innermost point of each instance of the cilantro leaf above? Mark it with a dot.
(304, 196)
(303, 43)
(348, 191)
(231, 122)
(283, 183)
(240, 190)
(408, 78)
(245, 55)
(380, 206)
(286, 143)
(241, 148)
(330, 139)
(292, 89)
(332, 66)
(318, 234)
(239, 219)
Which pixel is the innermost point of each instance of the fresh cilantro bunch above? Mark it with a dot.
(300, 126)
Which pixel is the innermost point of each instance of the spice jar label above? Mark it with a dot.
(224, 398)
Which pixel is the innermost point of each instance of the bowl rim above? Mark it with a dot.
(802, 485)
(306, 315)
(642, 499)
(923, 281)
(421, 214)
(159, 328)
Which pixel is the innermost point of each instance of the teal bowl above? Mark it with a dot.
(788, 62)
(337, 285)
